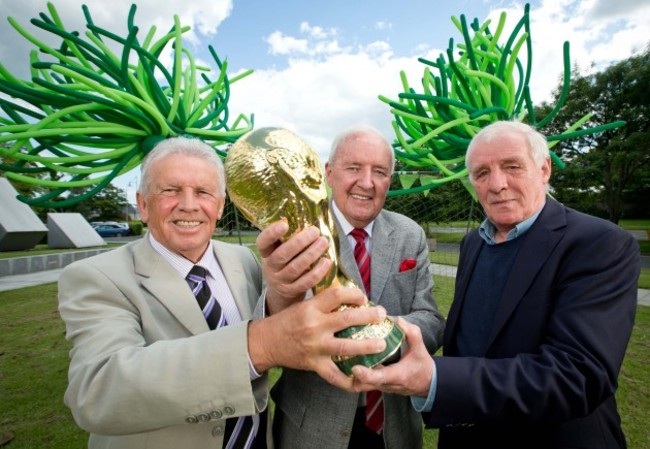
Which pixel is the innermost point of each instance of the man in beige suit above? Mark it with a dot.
(146, 370)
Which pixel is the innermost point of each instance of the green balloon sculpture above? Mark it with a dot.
(486, 83)
(90, 114)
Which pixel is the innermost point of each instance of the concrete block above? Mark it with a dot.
(20, 227)
(71, 230)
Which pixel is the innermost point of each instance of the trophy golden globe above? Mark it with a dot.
(271, 174)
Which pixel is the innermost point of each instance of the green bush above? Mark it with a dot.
(136, 227)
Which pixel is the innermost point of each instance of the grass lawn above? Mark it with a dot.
(34, 361)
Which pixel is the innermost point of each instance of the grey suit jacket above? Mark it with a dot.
(145, 370)
(309, 412)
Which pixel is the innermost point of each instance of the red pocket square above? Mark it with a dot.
(407, 264)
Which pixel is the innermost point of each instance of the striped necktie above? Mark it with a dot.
(207, 302)
(240, 432)
(374, 400)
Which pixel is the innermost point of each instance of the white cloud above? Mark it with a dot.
(318, 99)
(280, 44)
(316, 32)
(318, 42)
(383, 25)
(200, 15)
(594, 43)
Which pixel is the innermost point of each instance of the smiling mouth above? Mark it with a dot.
(187, 223)
(356, 196)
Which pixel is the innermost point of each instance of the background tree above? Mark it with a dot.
(108, 204)
(608, 173)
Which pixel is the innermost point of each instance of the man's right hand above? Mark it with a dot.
(292, 267)
(302, 335)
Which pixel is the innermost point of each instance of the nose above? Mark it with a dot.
(498, 181)
(187, 200)
(364, 178)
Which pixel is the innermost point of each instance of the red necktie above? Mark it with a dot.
(374, 401)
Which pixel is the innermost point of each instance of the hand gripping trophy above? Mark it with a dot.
(272, 174)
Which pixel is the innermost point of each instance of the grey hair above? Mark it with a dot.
(189, 147)
(355, 131)
(537, 144)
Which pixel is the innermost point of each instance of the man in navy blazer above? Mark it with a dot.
(543, 311)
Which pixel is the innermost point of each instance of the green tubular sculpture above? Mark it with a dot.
(90, 113)
(461, 94)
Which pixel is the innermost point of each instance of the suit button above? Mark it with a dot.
(218, 430)
(191, 420)
(216, 414)
(204, 417)
(229, 410)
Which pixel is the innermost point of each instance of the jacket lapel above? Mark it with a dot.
(346, 257)
(165, 285)
(382, 255)
(235, 277)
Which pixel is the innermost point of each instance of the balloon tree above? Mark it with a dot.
(96, 104)
(484, 82)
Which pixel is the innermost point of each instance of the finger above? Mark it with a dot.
(268, 240)
(293, 259)
(350, 347)
(308, 279)
(333, 297)
(412, 333)
(299, 244)
(367, 378)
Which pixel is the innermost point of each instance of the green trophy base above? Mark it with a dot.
(388, 330)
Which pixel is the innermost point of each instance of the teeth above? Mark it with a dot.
(187, 223)
(359, 197)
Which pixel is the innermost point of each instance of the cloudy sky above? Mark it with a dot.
(319, 66)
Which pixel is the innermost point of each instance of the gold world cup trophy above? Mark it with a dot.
(272, 174)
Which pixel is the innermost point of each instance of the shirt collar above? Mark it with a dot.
(180, 263)
(346, 227)
(487, 231)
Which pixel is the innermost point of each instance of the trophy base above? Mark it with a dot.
(387, 329)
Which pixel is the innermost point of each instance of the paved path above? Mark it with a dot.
(44, 277)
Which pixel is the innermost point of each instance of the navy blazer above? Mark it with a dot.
(558, 340)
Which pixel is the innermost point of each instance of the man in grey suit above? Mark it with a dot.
(309, 412)
(146, 369)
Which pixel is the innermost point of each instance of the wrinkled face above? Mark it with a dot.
(360, 178)
(508, 183)
(183, 204)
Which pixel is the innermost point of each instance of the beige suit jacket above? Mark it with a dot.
(145, 370)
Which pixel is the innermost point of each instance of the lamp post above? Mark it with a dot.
(134, 184)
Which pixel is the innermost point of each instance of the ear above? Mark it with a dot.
(142, 206)
(220, 207)
(328, 173)
(546, 170)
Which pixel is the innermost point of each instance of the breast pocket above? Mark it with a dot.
(399, 292)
